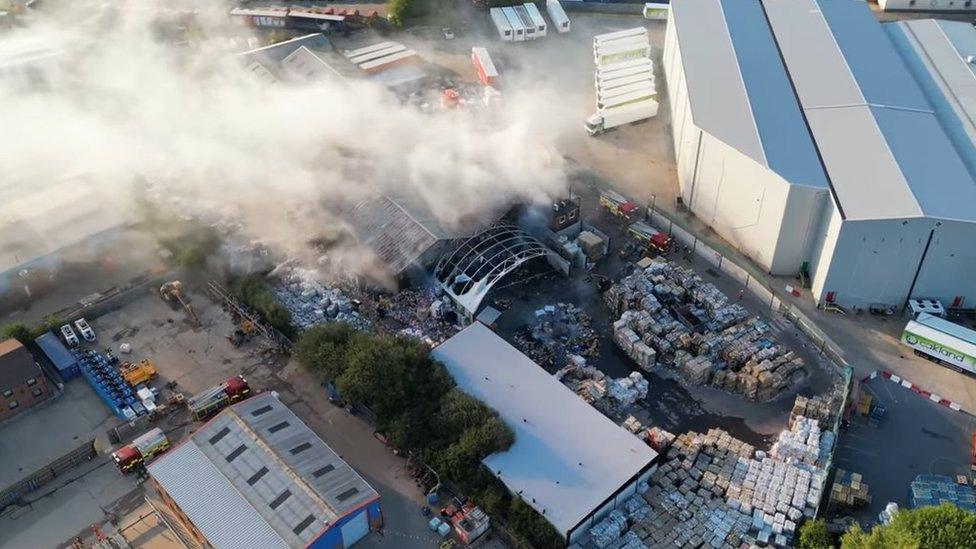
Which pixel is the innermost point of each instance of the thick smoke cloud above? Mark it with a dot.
(126, 103)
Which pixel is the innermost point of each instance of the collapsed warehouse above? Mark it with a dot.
(668, 315)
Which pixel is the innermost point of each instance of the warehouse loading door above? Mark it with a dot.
(355, 529)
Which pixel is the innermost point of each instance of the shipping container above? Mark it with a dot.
(60, 357)
(502, 26)
(487, 72)
(537, 20)
(526, 20)
(557, 15)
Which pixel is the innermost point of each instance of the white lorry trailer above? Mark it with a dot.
(618, 115)
(624, 50)
(557, 15)
(609, 37)
(942, 342)
(536, 18)
(502, 26)
(518, 31)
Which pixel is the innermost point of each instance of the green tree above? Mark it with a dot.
(17, 331)
(942, 527)
(322, 349)
(252, 292)
(49, 322)
(397, 11)
(814, 535)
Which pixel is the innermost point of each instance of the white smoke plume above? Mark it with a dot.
(128, 102)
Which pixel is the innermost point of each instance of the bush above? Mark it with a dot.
(942, 527)
(17, 331)
(814, 535)
(253, 293)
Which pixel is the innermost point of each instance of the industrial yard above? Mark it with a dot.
(651, 314)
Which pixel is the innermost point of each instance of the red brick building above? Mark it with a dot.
(22, 385)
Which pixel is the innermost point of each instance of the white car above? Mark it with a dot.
(69, 336)
(85, 330)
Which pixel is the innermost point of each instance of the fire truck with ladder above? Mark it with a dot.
(207, 403)
(650, 237)
(142, 449)
(617, 204)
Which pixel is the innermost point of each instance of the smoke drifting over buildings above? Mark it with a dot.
(111, 95)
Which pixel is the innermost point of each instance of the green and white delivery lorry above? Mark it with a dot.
(941, 341)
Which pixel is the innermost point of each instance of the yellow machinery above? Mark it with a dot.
(137, 373)
(172, 292)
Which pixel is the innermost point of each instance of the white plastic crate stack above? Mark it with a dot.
(625, 86)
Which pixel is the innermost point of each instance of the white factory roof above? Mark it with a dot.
(884, 151)
(937, 53)
(567, 458)
(257, 476)
(738, 89)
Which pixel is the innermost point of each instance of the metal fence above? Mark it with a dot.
(13, 493)
(754, 281)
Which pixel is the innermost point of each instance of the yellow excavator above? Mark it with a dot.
(172, 292)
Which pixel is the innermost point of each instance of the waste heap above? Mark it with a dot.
(608, 395)
(657, 308)
(714, 490)
(311, 302)
(424, 314)
(558, 331)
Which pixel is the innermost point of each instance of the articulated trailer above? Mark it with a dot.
(627, 112)
(942, 342)
(504, 28)
(557, 15)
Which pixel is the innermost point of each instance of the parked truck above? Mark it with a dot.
(942, 342)
(612, 116)
(142, 449)
(650, 237)
(617, 204)
(207, 403)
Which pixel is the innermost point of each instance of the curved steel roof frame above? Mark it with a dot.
(469, 272)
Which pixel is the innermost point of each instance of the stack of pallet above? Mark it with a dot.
(802, 442)
(819, 408)
(735, 353)
(937, 489)
(848, 492)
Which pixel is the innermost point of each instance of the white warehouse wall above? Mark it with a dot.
(949, 269)
(873, 261)
(746, 203)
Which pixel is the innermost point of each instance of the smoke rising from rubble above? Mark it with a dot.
(124, 105)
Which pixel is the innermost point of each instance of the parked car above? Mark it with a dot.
(85, 330)
(69, 336)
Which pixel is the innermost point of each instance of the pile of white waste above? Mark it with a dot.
(628, 390)
(311, 302)
(804, 442)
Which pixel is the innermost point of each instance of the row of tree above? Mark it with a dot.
(421, 412)
(942, 527)
(254, 293)
(26, 334)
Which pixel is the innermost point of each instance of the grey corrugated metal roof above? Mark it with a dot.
(211, 501)
(739, 90)
(273, 467)
(886, 154)
(567, 458)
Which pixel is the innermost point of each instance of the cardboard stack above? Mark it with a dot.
(848, 491)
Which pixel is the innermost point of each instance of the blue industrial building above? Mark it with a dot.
(256, 476)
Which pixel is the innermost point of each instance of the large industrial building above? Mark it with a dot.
(569, 462)
(803, 138)
(257, 476)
